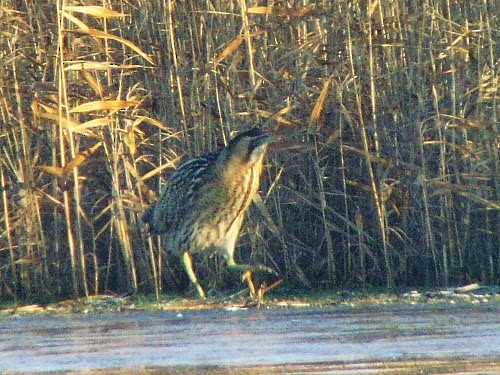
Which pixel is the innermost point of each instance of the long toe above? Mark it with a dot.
(267, 269)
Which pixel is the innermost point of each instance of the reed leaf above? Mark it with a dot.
(97, 65)
(108, 105)
(95, 10)
(231, 47)
(280, 11)
(314, 120)
(103, 35)
(80, 158)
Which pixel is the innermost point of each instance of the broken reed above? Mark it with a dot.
(390, 113)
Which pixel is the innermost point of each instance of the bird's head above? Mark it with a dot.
(247, 148)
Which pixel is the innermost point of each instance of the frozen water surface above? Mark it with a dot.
(265, 337)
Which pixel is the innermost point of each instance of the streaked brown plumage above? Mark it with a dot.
(201, 208)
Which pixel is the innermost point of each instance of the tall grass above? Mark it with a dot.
(389, 112)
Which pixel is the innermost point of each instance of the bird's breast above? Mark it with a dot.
(215, 219)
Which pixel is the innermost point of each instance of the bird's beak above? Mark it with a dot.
(264, 140)
(272, 137)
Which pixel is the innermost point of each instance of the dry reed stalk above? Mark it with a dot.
(395, 180)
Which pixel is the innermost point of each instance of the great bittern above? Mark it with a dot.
(201, 208)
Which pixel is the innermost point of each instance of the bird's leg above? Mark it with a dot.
(247, 276)
(187, 262)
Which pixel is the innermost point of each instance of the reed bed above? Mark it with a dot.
(388, 175)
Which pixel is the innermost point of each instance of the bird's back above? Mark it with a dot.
(179, 196)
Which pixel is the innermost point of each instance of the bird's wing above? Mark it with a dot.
(180, 195)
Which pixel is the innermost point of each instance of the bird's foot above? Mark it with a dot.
(257, 295)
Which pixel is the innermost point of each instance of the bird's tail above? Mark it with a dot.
(147, 217)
